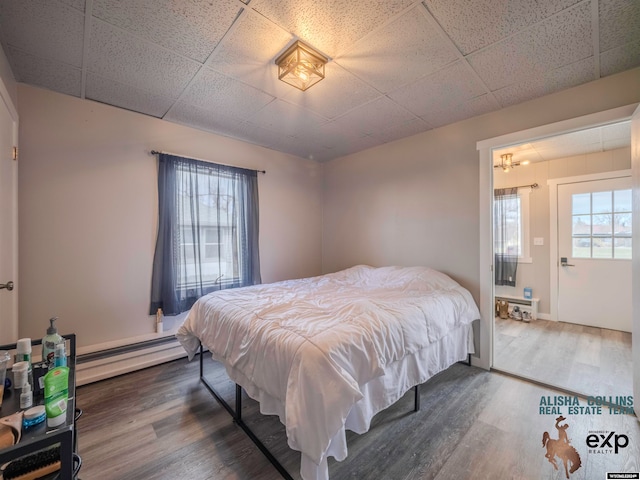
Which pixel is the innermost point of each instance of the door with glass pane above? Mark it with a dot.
(594, 246)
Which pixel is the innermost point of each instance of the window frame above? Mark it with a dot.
(613, 236)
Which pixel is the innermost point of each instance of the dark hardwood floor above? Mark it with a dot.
(161, 423)
(582, 359)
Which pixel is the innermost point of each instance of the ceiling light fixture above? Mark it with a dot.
(301, 66)
(506, 162)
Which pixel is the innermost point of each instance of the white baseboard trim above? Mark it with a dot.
(111, 366)
(545, 316)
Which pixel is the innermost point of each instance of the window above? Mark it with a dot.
(214, 255)
(511, 224)
(207, 233)
(601, 224)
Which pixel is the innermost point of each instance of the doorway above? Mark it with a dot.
(8, 222)
(560, 336)
(584, 346)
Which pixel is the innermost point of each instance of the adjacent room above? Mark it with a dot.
(556, 326)
(320, 239)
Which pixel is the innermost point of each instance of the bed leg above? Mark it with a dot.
(236, 416)
(469, 359)
(416, 400)
(201, 355)
(238, 402)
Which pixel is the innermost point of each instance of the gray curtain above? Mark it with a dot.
(506, 260)
(207, 232)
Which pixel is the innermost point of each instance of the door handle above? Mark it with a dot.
(8, 286)
(563, 262)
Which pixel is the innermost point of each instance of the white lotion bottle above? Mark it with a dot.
(49, 343)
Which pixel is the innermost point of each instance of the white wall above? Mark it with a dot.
(88, 212)
(416, 201)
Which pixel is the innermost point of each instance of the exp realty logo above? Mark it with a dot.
(604, 441)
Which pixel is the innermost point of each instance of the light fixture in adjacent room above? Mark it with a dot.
(506, 162)
(301, 66)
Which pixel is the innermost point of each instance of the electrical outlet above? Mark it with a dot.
(538, 240)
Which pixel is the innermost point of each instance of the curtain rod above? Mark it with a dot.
(533, 185)
(156, 152)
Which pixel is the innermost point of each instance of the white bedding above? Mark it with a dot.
(309, 349)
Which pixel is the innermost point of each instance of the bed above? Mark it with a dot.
(327, 353)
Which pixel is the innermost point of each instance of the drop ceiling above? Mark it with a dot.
(581, 142)
(397, 67)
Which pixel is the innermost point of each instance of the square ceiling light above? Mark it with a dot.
(301, 66)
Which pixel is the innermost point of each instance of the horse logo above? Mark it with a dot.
(561, 448)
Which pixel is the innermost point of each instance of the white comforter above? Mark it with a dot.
(312, 343)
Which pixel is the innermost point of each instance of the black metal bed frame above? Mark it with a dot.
(236, 414)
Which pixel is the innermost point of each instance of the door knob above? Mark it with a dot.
(563, 262)
(8, 286)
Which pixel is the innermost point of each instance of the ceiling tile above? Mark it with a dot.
(273, 140)
(238, 57)
(125, 58)
(42, 72)
(570, 144)
(120, 95)
(330, 26)
(221, 94)
(560, 40)
(338, 93)
(47, 29)
(465, 109)
(397, 66)
(192, 28)
(474, 24)
(77, 4)
(381, 114)
(571, 75)
(619, 59)
(400, 52)
(619, 23)
(569, 150)
(265, 137)
(402, 130)
(351, 145)
(616, 131)
(202, 119)
(286, 118)
(452, 85)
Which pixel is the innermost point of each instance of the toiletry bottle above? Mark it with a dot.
(56, 394)
(49, 343)
(23, 354)
(159, 321)
(26, 396)
(60, 357)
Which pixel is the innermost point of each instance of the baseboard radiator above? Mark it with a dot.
(524, 304)
(103, 364)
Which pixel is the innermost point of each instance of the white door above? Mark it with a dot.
(594, 246)
(8, 227)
